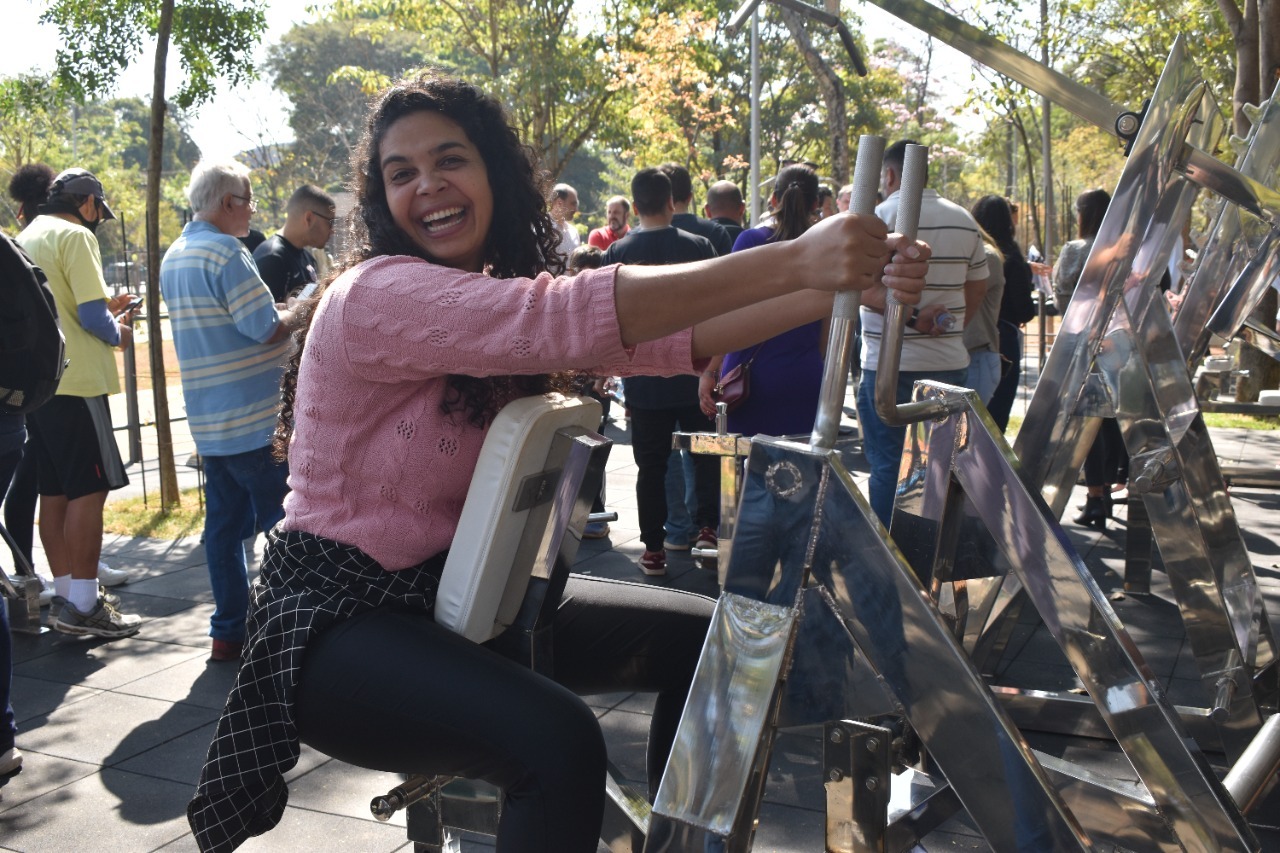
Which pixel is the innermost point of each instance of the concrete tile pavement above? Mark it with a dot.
(115, 732)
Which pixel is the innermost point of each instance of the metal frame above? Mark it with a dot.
(1117, 354)
(24, 602)
(807, 545)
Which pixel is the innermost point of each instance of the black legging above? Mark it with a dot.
(394, 691)
(1108, 461)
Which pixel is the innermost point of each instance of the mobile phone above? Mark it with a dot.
(133, 303)
(307, 291)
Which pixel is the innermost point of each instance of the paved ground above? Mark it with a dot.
(115, 732)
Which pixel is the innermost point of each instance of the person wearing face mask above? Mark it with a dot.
(77, 460)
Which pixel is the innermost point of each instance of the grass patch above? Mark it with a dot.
(1222, 419)
(130, 517)
(1213, 419)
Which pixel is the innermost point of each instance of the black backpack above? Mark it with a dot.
(32, 348)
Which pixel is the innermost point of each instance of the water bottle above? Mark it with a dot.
(946, 321)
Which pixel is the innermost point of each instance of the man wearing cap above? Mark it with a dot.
(232, 341)
(76, 453)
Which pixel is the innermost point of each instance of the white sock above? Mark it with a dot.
(84, 594)
(62, 586)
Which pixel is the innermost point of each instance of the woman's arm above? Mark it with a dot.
(846, 252)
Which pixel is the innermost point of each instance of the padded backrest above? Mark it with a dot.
(481, 589)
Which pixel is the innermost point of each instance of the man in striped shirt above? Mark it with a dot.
(232, 341)
(955, 284)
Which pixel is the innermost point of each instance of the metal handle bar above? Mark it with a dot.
(844, 314)
(915, 165)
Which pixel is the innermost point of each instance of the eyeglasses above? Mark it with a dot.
(249, 200)
(329, 219)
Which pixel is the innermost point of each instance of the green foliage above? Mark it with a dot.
(327, 70)
(100, 38)
(109, 138)
(535, 56)
(33, 116)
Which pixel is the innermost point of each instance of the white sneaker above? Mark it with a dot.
(108, 576)
(46, 588)
(10, 764)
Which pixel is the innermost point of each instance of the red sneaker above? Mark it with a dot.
(224, 650)
(654, 563)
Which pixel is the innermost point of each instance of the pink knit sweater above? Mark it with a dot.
(373, 463)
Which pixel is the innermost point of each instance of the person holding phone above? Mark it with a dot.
(232, 341)
(77, 460)
(130, 309)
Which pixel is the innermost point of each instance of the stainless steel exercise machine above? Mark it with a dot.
(1118, 354)
(807, 550)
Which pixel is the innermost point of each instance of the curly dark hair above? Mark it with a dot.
(29, 187)
(522, 240)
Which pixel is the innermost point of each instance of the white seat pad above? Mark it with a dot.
(480, 594)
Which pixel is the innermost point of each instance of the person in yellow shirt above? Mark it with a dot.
(76, 453)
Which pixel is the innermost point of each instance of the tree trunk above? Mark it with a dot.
(1033, 201)
(832, 88)
(1260, 370)
(1268, 46)
(1244, 31)
(155, 340)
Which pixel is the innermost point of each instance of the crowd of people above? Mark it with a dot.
(342, 415)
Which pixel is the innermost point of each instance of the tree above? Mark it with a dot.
(36, 112)
(665, 73)
(535, 56)
(831, 86)
(100, 39)
(312, 66)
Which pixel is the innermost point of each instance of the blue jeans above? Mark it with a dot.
(682, 499)
(984, 373)
(881, 443)
(243, 494)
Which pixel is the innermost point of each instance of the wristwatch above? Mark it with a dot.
(915, 315)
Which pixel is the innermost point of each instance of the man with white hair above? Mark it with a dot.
(232, 341)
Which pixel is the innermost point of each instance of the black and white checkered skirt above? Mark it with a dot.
(307, 584)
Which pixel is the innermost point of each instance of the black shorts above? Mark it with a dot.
(75, 448)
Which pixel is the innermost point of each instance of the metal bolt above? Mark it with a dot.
(837, 735)
(835, 775)
(873, 743)
(872, 783)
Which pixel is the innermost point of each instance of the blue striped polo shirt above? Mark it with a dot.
(222, 314)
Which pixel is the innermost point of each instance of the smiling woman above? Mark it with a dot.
(438, 188)
(443, 315)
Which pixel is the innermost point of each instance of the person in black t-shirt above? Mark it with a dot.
(682, 199)
(283, 260)
(725, 207)
(661, 404)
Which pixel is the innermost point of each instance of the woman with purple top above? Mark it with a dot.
(786, 370)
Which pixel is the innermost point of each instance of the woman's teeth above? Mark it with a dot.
(441, 219)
